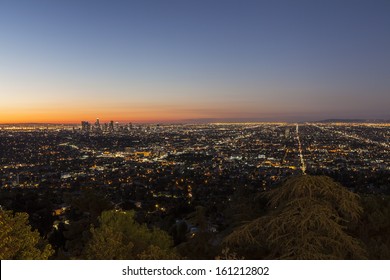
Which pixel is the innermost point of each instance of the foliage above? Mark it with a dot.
(200, 243)
(374, 226)
(307, 220)
(227, 255)
(18, 241)
(84, 212)
(36, 204)
(245, 205)
(119, 236)
(91, 203)
(179, 232)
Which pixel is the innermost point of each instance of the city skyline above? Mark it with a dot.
(175, 61)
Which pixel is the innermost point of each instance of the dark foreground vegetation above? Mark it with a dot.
(305, 217)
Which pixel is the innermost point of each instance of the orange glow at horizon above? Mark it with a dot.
(137, 115)
(178, 105)
(143, 105)
(169, 110)
(76, 117)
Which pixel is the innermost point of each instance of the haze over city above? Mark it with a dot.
(168, 61)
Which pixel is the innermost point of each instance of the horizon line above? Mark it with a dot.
(208, 121)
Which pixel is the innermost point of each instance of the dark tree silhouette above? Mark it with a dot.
(119, 236)
(374, 226)
(307, 219)
(18, 241)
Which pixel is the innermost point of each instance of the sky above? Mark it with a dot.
(166, 61)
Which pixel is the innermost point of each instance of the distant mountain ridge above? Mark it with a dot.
(355, 121)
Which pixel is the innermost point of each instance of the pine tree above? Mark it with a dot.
(307, 219)
(374, 226)
(18, 241)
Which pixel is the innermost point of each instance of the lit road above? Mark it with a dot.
(303, 165)
(353, 136)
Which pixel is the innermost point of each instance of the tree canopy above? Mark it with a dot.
(307, 219)
(19, 241)
(119, 236)
(374, 226)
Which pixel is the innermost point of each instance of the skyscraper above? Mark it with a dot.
(97, 125)
(85, 126)
(111, 126)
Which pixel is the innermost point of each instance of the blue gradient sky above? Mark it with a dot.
(63, 61)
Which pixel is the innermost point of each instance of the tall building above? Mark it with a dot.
(97, 125)
(85, 126)
(111, 126)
